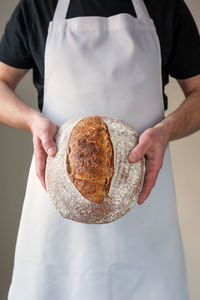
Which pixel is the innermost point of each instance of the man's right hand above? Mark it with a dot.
(15, 113)
(44, 132)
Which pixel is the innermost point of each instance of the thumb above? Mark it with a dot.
(49, 145)
(138, 152)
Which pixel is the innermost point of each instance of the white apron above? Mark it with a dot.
(109, 67)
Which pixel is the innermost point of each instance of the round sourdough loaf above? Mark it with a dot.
(90, 179)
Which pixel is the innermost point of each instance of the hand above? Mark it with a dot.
(43, 131)
(152, 145)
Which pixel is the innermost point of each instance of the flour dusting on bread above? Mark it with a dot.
(126, 180)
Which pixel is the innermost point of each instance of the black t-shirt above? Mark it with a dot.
(23, 42)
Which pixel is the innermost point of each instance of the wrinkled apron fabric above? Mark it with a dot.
(109, 67)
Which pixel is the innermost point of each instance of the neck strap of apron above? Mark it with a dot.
(63, 5)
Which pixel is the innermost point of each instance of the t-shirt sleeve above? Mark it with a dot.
(184, 58)
(14, 45)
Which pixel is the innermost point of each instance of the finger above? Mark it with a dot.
(138, 152)
(40, 161)
(48, 144)
(149, 182)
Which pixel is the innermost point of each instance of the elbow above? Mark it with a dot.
(11, 76)
(10, 85)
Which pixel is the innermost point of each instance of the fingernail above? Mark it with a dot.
(133, 157)
(51, 150)
(140, 202)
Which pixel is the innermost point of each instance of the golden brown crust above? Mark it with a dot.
(90, 159)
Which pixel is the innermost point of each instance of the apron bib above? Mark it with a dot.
(110, 67)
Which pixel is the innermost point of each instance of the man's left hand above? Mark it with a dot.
(151, 145)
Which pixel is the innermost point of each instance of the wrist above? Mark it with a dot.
(32, 119)
(166, 127)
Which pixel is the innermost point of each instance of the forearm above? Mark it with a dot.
(153, 141)
(14, 112)
(185, 120)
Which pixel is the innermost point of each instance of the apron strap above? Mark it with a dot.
(140, 9)
(63, 5)
(61, 10)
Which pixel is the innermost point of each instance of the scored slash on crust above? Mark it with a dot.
(90, 158)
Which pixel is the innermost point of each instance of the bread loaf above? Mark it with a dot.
(90, 163)
(90, 180)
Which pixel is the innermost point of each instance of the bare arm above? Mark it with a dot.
(15, 113)
(184, 121)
